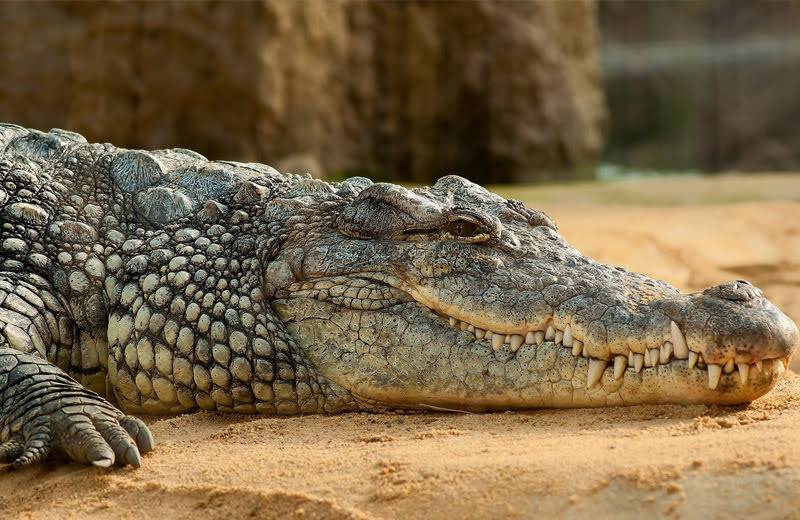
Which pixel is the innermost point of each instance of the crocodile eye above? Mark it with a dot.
(469, 225)
(462, 228)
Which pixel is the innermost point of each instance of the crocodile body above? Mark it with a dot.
(164, 283)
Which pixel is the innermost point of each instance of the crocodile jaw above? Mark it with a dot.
(404, 342)
(387, 358)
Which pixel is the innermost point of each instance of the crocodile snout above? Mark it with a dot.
(734, 321)
(731, 325)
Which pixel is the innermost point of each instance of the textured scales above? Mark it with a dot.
(164, 283)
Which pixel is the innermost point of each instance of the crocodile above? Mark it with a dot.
(159, 282)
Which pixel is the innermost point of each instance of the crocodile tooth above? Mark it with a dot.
(728, 367)
(463, 325)
(654, 355)
(596, 368)
(620, 362)
(507, 339)
(497, 341)
(516, 342)
(714, 372)
(576, 348)
(666, 352)
(744, 371)
(693, 357)
(480, 333)
(539, 337)
(638, 361)
(471, 328)
(759, 364)
(453, 322)
(648, 361)
(630, 358)
(559, 337)
(584, 352)
(551, 332)
(488, 334)
(678, 342)
(530, 338)
(567, 339)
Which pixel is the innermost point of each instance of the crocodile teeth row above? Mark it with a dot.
(676, 348)
(515, 341)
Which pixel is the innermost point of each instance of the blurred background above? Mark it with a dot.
(706, 85)
(496, 91)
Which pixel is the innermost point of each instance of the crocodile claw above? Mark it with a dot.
(54, 414)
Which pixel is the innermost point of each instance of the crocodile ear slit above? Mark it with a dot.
(419, 231)
(388, 211)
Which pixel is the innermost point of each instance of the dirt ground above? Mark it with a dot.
(636, 462)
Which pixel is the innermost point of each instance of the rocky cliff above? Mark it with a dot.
(492, 90)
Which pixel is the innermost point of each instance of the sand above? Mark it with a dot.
(642, 461)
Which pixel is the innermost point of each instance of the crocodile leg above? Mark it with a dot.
(43, 410)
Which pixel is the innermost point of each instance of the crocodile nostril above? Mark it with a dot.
(738, 291)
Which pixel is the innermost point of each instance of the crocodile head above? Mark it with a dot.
(450, 296)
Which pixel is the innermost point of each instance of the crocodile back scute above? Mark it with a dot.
(170, 184)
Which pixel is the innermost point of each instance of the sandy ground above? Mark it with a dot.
(644, 461)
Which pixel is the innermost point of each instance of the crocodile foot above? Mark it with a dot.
(43, 411)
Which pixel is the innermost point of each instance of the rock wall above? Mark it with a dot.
(495, 91)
